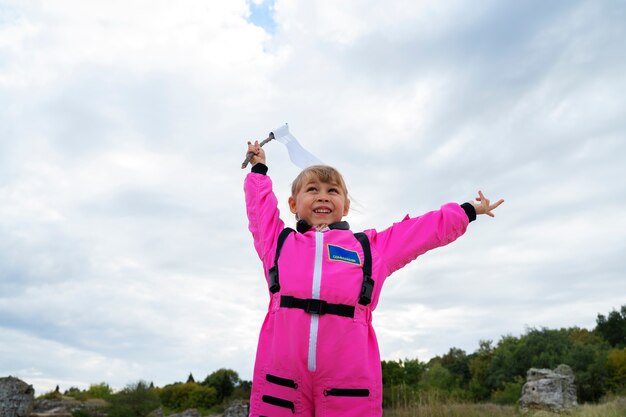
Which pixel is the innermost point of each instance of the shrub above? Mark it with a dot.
(180, 397)
(101, 390)
(223, 381)
(510, 392)
(136, 400)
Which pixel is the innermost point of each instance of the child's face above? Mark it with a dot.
(319, 203)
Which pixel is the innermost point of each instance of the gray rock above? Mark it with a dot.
(192, 412)
(16, 397)
(157, 413)
(62, 407)
(237, 409)
(549, 390)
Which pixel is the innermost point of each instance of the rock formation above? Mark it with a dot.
(237, 409)
(63, 407)
(16, 397)
(549, 390)
(192, 412)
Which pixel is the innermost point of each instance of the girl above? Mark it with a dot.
(317, 353)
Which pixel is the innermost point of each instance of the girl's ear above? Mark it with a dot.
(292, 205)
(346, 207)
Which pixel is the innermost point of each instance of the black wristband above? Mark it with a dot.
(470, 211)
(259, 169)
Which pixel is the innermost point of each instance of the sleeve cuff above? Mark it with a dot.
(470, 211)
(259, 168)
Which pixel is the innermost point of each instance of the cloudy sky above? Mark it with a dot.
(124, 249)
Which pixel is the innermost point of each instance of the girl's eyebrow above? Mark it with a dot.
(317, 182)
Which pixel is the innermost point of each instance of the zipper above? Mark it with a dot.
(347, 392)
(283, 382)
(315, 293)
(279, 402)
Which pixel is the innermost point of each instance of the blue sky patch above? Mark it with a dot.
(262, 15)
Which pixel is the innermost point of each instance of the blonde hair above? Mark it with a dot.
(323, 173)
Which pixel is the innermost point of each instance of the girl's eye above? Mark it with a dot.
(311, 189)
(333, 190)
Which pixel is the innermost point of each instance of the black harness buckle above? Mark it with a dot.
(314, 306)
(366, 291)
(273, 276)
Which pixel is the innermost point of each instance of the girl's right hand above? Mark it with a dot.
(257, 150)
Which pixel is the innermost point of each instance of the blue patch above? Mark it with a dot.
(337, 253)
(262, 15)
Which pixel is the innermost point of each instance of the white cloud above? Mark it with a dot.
(124, 252)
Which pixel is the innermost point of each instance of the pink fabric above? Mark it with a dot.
(320, 353)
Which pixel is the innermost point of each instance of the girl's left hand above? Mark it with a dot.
(482, 205)
(257, 151)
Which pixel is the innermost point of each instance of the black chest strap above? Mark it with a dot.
(273, 272)
(314, 306)
(367, 288)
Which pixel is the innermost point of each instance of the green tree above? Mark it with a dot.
(413, 371)
(616, 364)
(136, 400)
(505, 363)
(393, 372)
(590, 368)
(613, 327)
(542, 348)
(585, 337)
(479, 363)
(407, 371)
(457, 362)
(538, 348)
(74, 392)
(437, 378)
(180, 396)
(546, 348)
(101, 390)
(400, 381)
(243, 390)
(224, 381)
(509, 393)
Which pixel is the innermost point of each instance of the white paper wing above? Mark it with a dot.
(298, 155)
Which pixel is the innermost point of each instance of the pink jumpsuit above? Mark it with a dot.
(318, 365)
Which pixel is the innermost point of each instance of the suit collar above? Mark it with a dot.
(302, 226)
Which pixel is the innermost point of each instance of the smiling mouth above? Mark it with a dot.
(321, 211)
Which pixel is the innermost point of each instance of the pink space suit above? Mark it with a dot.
(311, 364)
